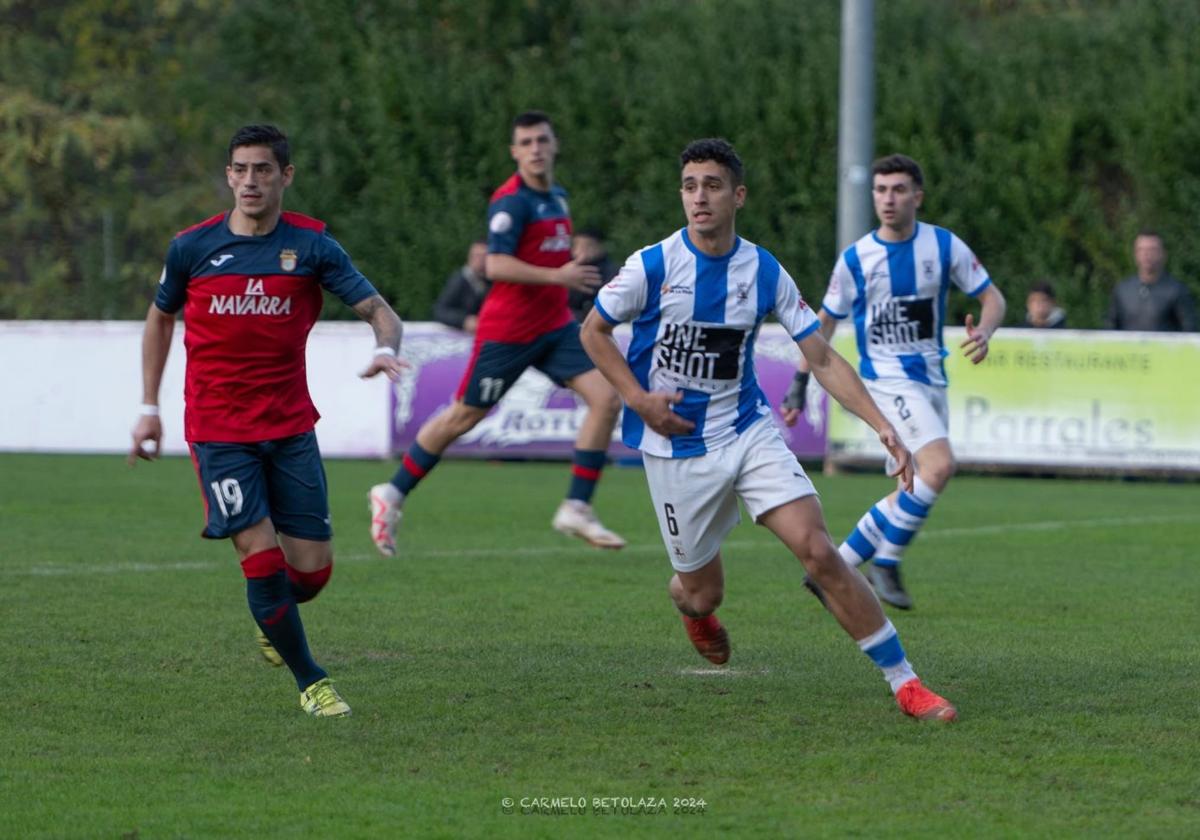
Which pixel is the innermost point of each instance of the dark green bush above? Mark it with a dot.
(1049, 131)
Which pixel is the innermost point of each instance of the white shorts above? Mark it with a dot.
(920, 412)
(696, 498)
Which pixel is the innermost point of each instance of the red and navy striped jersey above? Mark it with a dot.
(249, 303)
(534, 227)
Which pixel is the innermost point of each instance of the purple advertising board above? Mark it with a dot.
(537, 419)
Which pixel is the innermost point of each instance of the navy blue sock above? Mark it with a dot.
(585, 472)
(415, 465)
(273, 606)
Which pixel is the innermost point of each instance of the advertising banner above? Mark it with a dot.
(1061, 398)
(537, 419)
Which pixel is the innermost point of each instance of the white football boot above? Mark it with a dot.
(576, 519)
(385, 501)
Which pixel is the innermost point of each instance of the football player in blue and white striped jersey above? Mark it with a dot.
(894, 283)
(697, 300)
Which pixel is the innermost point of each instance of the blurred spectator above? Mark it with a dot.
(458, 304)
(587, 246)
(1152, 300)
(1042, 309)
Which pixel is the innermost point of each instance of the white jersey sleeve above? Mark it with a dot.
(624, 297)
(965, 269)
(839, 297)
(791, 310)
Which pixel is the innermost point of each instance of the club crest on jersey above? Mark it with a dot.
(287, 259)
(560, 241)
(928, 269)
(743, 291)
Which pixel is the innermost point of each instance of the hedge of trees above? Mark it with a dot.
(1050, 131)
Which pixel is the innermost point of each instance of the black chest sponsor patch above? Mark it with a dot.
(698, 352)
(901, 322)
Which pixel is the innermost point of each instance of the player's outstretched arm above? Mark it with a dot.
(574, 275)
(652, 406)
(388, 332)
(797, 393)
(839, 379)
(975, 346)
(156, 344)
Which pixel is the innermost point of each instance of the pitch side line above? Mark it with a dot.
(56, 569)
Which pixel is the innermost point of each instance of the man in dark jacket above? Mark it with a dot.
(1152, 300)
(462, 296)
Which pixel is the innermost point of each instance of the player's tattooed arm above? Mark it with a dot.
(383, 320)
(388, 332)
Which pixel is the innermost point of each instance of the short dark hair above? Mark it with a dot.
(718, 151)
(1043, 288)
(526, 119)
(262, 135)
(1149, 231)
(893, 164)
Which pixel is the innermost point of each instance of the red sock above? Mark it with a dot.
(307, 585)
(264, 563)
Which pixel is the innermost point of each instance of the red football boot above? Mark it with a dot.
(709, 637)
(919, 702)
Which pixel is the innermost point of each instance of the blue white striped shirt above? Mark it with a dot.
(695, 318)
(897, 292)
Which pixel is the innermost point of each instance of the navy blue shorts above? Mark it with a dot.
(284, 479)
(496, 365)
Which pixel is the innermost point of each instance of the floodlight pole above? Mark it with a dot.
(856, 120)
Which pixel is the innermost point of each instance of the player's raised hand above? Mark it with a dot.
(903, 473)
(147, 431)
(581, 277)
(388, 364)
(655, 409)
(975, 347)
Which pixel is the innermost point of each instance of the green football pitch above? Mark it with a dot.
(507, 681)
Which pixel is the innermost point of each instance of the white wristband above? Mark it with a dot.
(148, 410)
(385, 351)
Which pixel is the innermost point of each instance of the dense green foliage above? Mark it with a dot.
(1050, 131)
(496, 658)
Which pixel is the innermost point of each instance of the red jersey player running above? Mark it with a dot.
(524, 322)
(249, 282)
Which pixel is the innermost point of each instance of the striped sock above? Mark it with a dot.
(274, 609)
(864, 540)
(904, 520)
(417, 462)
(585, 473)
(885, 650)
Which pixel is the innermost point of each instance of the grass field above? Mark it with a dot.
(496, 659)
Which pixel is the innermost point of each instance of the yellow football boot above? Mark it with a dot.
(322, 700)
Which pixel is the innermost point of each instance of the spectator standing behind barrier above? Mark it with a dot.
(1042, 310)
(462, 297)
(587, 247)
(1152, 300)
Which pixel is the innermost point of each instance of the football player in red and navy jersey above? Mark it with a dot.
(524, 322)
(249, 283)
